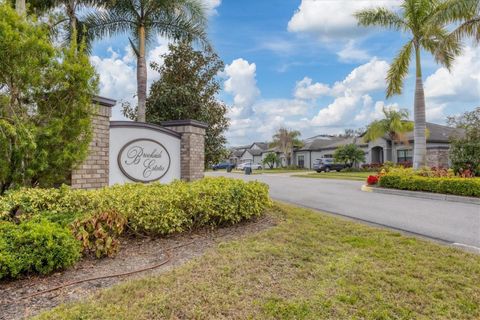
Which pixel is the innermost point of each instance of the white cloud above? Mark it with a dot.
(117, 75)
(253, 118)
(332, 20)
(365, 78)
(462, 83)
(284, 107)
(242, 84)
(307, 90)
(375, 112)
(435, 112)
(350, 53)
(335, 112)
(352, 92)
(212, 5)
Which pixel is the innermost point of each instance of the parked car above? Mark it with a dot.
(254, 166)
(223, 165)
(327, 164)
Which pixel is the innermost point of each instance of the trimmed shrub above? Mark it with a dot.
(99, 233)
(152, 208)
(447, 185)
(35, 247)
(225, 201)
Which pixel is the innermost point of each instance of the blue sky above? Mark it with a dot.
(302, 64)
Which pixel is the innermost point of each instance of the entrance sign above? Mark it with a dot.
(141, 152)
(144, 160)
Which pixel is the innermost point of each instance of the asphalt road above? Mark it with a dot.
(452, 222)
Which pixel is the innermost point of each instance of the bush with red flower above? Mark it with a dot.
(371, 180)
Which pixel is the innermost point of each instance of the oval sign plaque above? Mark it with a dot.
(144, 160)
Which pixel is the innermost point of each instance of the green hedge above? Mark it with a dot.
(95, 217)
(453, 185)
(35, 247)
(153, 208)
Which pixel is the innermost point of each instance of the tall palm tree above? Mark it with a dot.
(395, 125)
(286, 140)
(142, 20)
(418, 19)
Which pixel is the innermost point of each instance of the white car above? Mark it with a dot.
(254, 166)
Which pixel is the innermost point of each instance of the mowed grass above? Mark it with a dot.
(357, 176)
(309, 266)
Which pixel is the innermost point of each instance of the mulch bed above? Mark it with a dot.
(135, 253)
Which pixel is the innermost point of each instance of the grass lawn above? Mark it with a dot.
(310, 266)
(359, 176)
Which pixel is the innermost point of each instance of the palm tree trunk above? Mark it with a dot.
(420, 140)
(70, 7)
(141, 76)
(394, 153)
(20, 7)
(72, 19)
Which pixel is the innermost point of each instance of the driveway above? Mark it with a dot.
(452, 222)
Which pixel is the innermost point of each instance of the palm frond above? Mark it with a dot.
(380, 17)
(452, 11)
(441, 45)
(110, 22)
(180, 20)
(470, 28)
(375, 130)
(399, 70)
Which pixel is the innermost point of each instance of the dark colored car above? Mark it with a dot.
(223, 165)
(326, 165)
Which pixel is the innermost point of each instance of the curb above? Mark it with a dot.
(423, 195)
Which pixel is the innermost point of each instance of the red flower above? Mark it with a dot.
(372, 180)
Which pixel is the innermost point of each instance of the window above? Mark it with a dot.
(301, 161)
(404, 156)
(328, 156)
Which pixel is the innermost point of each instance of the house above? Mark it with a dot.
(438, 146)
(378, 151)
(248, 154)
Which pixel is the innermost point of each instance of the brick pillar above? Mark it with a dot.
(192, 147)
(93, 172)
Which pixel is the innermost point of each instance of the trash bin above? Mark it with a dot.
(248, 170)
(229, 169)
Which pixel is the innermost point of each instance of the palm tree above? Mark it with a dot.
(286, 140)
(419, 18)
(395, 126)
(142, 20)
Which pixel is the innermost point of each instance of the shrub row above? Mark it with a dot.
(447, 185)
(153, 208)
(67, 219)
